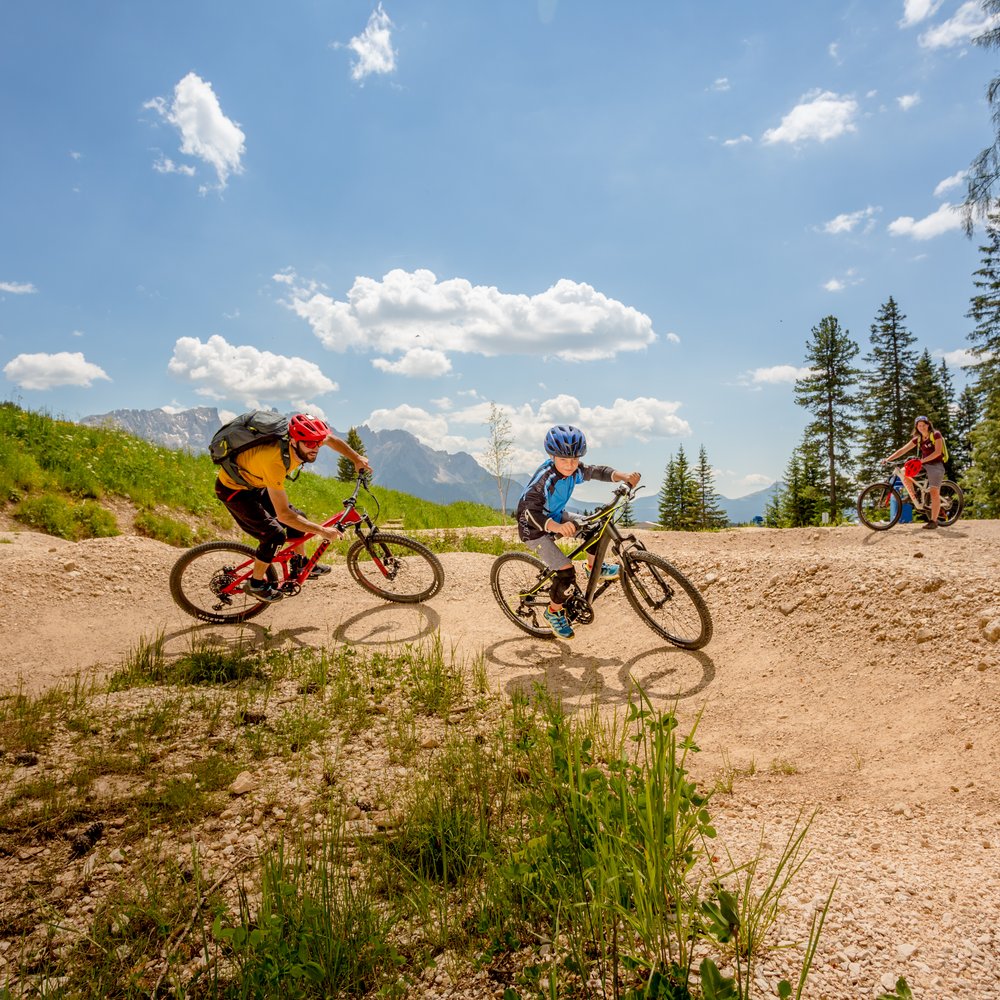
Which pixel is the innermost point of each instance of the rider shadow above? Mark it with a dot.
(248, 634)
(666, 673)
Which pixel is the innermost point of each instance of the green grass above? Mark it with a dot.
(55, 472)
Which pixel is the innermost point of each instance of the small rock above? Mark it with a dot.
(243, 783)
(991, 630)
(905, 951)
(431, 743)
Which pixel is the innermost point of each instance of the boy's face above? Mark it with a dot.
(565, 466)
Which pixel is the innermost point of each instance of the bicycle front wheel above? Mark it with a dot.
(395, 568)
(879, 506)
(952, 503)
(514, 574)
(666, 600)
(205, 582)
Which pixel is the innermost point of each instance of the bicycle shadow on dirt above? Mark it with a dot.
(384, 625)
(666, 673)
(941, 532)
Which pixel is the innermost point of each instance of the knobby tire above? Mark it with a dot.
(512, 574)
(416, 574)
(205, 567)
(879, 506)
(665, 599)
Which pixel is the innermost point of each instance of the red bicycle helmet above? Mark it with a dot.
(912, 467)
(308, 429)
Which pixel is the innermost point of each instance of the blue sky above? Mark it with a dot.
(624, 216)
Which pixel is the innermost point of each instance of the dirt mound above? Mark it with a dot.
(850, 671)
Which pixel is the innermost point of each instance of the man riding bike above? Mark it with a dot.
(263, 510)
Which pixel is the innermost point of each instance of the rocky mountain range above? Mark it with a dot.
(400, 460)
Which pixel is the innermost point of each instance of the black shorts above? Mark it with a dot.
(253, 511)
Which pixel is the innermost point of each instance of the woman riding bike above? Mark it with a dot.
(930, 449)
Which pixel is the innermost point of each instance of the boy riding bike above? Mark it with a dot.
(260, 505)
(541, 514)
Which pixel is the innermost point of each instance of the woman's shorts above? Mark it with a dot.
(935, 474)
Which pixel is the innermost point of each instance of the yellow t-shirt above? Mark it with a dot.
(262, 467)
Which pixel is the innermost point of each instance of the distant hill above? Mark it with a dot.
(400, 461)
(740, 510)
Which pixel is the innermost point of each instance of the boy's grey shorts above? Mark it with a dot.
(547, 550)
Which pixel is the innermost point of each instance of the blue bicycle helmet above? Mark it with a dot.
(565, 441)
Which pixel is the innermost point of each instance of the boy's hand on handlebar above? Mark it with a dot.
(565, 528)
(632, 478)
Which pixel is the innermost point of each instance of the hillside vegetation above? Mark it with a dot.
(54, 475)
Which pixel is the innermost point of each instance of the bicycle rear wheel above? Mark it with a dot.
(512, 576)
(202, 582)
(952, 503)
(395, 568)
(665, 599)
(879, 506)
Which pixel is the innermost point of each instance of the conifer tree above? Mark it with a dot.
(960, 441)
(985, 312)
(346, 472)
(679, 502)
(710, 513)
(829, 393)
(885, 407)
(928, 396)
(627, 519)
(667, 508)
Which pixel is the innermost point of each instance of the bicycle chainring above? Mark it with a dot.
(578, 610)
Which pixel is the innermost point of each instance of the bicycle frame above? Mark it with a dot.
(364, 527)
(601, 526)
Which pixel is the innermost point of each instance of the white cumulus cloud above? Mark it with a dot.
(47, 371)
(18, 287)
(721, 84)
(907, 101)
(164, 165)
(373, 47)
(206, 133)
(225, 371)
(961, 357)
(847, 222)
(956, 180)
(915, 11)
(943, 220)
(408, 310)
(968, 21)
(834, 285)
(416, 363)
(819, 116)
(777, 375)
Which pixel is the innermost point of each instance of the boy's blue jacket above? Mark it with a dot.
(547, 494)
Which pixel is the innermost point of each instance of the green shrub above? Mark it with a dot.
(164, 529)
(60, 517)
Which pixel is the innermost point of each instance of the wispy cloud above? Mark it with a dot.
(408, 310)
(833, 50)
(738, 141)
(907, 101)
(721, 84)
(850, 277)
(834, 285)
(242, 373)
(18, 287)
(49, 371)
(956, 180)
(944, 220)
(961, 357)
(673, 338)
(206, 133)
(847, 222)
(164, 165)
(820, 116)
(968, 21)
(915, 11)
(373, 47)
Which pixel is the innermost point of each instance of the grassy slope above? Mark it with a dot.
(50, 468)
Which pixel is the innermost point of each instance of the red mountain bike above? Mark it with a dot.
(207, 581)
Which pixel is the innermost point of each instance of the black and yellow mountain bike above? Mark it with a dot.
(660, 594)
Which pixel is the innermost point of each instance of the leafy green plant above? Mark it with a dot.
(164, 529)
(58, 516)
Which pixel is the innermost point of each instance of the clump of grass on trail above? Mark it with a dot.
(398, 816)
(55, 473)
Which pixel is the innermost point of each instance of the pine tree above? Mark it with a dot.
(627, 519)
(667, 508)
(985, 312)
(984, 172)
(929, 398)
(829, 393)
(710, 512)
(960, 442)
(346, 472)
(885, 408)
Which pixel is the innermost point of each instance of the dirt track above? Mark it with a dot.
(854, 672)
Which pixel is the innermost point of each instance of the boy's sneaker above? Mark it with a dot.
(262, 590)
(558, 623)
(609, 571)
